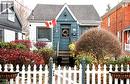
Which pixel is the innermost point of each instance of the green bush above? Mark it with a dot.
(46, 53)
(11, 45)
(88, 57)
(21, 46)
(123, 60)
(26, 43)
(4, 45)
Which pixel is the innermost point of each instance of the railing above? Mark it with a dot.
(127, 47)
(67, 75)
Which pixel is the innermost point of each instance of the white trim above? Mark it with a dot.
(89, 24)
(97, 23)
(127, 29)
(33, 33)
(66, 6)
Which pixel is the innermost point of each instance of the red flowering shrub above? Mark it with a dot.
(40, 44)
(27, 43)
(16, 56)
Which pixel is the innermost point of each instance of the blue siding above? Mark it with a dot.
(65, 16)
(65, 19)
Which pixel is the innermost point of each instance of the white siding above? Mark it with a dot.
(9, 35)
(32, 30)
(20, 36)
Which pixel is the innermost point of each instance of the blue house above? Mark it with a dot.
(72, 22)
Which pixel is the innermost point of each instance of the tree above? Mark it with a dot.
(101, 43)
(23, 13)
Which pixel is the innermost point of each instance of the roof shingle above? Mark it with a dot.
(83, 13)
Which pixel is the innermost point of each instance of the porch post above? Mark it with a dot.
(83, 70)
(50, 70)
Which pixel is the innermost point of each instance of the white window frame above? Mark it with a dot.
(109, 21)
(11, 15)
(43, 39)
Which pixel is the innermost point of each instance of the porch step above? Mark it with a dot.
(64, 58)
(64, 53)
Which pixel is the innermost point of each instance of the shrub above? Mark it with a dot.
(27, 43)
(88, 57)
(100, 43)
(21, 46)
(16, 56)
(46, 53)
(40, 44)
(123, 60)
(11, 45)
(72, 49)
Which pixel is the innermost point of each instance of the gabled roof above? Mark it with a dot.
(16, 26)
(83, 13)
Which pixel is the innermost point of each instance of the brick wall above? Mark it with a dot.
(119, 19)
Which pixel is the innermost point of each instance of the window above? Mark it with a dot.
(1, 35)
(4, 7)
(11, 15)
(109, 21)
(43, 34)
(83, 29)
(16, 36)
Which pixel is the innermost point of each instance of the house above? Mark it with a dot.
(117, 21)
(10, 25)
(72, 21)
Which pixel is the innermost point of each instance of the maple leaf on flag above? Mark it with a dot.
(50, 24)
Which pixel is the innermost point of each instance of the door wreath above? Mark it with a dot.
(65, 32)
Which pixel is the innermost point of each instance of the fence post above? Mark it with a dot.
(50, 70)
(83, 70)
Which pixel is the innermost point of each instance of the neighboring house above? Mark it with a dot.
(10, 25)
(117, 21)
(72, 21)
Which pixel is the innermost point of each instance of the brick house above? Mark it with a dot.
(117, 21)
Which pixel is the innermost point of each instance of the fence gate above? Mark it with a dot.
(66, 74)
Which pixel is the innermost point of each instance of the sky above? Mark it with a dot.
(100, 5)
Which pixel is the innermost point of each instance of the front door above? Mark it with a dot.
(64, 37)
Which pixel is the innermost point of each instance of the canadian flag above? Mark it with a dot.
(50, 24)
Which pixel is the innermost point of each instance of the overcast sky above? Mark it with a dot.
(100, 5)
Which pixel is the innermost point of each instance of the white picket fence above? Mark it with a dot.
(66, 75)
